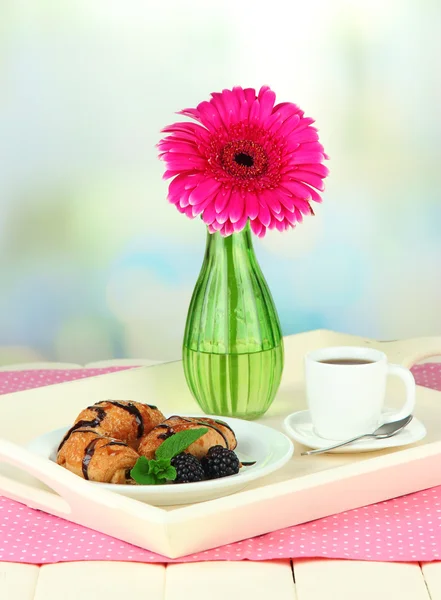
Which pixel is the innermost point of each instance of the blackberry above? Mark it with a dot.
(188, 468)
(220, 462)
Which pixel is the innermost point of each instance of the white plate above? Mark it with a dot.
(270, 448)
(298, 425)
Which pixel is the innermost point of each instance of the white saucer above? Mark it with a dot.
(270, 448)
(298, 425)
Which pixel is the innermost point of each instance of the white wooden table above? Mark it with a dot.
(316, 579)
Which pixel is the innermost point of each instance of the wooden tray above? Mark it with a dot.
(307, 488)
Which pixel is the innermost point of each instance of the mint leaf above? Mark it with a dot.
(162, 463)
(152, 472)
(178, 442)
(141, 470)
(170, 473)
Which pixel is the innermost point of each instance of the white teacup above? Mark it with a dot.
(346, 389)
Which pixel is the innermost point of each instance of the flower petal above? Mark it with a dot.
(279, 114)
(193, 113)
(306, 135)
(254, 112)
(189, 212)
(236, 206)
(304, 123)
(290, 216)
(293, 107)
(266, 99)
(244, 110)
(223, 216)
(298, 189)
(194, 129)
(227, 229)
(222, 199)
(286, 199)
(233, 104)
(302, 189)
(252, 205)
(256, 226)
(312, 147)
(210, 116)
(218, 103)
(176, 145)
(179, 185)
(264, 213)
(203, 136)
(309, 178)
(216, 225)
(316, 197)
(205, 188)
(270, 198)
(240, 224)
(250, 95)
(184, 201)
(300, 157)
(318, 168)
(286, 127)
(299, 215)
(198, 208)
(209, 215)
(170, 173)
(184, 158)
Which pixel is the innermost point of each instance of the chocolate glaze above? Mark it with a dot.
(225, 425)
(88, 453)
(115, 443)
(133, 410)
(100, 415)
(90, 448)
(221, 433)
(168, 433)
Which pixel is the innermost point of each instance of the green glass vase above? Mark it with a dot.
(233, 346)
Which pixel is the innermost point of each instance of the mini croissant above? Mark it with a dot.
(96, 457)
(124, 420)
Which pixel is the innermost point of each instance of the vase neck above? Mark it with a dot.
(239, 243)
(231, 310)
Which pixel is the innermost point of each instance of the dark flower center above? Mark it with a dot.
(243, 159)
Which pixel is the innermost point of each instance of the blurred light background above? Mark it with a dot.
(95, 264)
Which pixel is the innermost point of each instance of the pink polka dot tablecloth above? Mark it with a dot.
(405, 529)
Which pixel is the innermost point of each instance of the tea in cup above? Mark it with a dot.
(346, 390)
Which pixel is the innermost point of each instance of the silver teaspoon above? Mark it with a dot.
(385, 431)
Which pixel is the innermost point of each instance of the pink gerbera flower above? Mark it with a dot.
(245, 159)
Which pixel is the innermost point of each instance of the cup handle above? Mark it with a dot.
(406, 376)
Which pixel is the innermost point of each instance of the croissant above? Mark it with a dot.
(96, 457)
(219, 433)
(121, 419)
